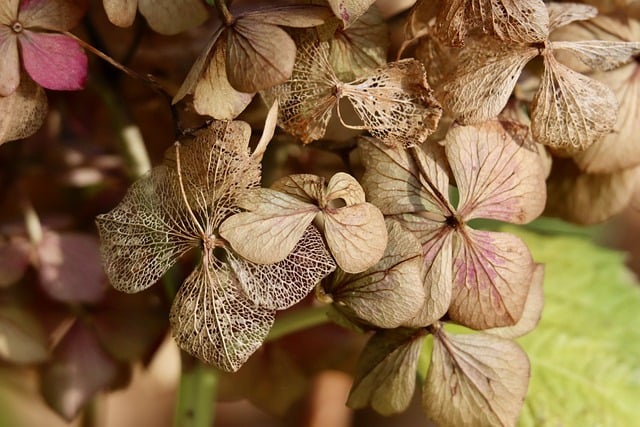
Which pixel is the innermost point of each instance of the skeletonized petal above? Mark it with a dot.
(395, 103)
(211, 320)
(54, 15)
(498, 172)
(481, 86)
(145, 234)
(53, 60)
(561, 14)
(271, 229)
(571, 111)
(394, 183)
(280, 285)
(475, 380)
(386, 371)
(600, 55)
(23, 112)
(491, 278)
(213, 95)
(173, 17)
(307, 98)
(356, 235)
(387, 294)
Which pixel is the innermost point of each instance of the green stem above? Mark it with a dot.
(298, 320)
(197, 394)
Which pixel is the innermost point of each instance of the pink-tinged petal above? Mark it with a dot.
(498, 172)
(55, 15)
(491, 279)
(54, 61)
(10, 62)
(8, 11)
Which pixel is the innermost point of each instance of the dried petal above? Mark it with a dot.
(532, 309)
(213, 95)
(9, 11)
(498, 172)
(280, 285)
(23, 112)
(475, 380)
(305, 187)
(394, 182)
(387, 294)
(395, 103)
(259, 55)
(211, 320)
(307, 98)
(22, 338)
(588, 198)
(600, 54)
(571, 111)
(491, 278)
(54, 61)
(173, 17)
(10, 64)
(121, 12)
(481, 86)
(272, 227)
(349, 10)
(561, 14)
(292, 15)
(53, 15)
(345, 187)
(386, 372)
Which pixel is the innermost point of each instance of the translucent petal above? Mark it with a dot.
(498, 172)
(475, 380)
(23, 112)
(280, 285)
(571, 111)
(491, 278)
(386, 371)
(395, 103)
(600, 54)
(211, 320)
(561, 14)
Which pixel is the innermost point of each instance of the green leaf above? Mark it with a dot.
(585, 353)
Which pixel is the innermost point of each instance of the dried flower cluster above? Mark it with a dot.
(505, 109)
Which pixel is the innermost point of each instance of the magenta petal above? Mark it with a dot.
(54, 61)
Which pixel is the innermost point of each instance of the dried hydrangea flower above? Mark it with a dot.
(394, 101)
(569, 111)
(277, 218)
(165, 17)
(225, 308)
(480, 278)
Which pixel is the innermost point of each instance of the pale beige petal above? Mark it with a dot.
(349, 10)
(571, 111)
(588, 198)
(395, 183)
(305, 187)
(561, 14)
(532, 309)
(282, 284)
(344, 186)
(395, 103)
(10, 64)
(173, 17)
(291, 15)
(9, 11)
(356, 235)
(213, 95)
(475, 380)
(388, 294)
(437, 267)
(23, 112)
(121, 12)
(269, 129)
(307, 98)
(600, 54)
(211, 319)
(386, 372)
(619, 149)
(491, 278)
(270, 231)
(498, 172)
(481, 86)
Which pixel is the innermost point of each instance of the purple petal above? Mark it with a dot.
(54, 61)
